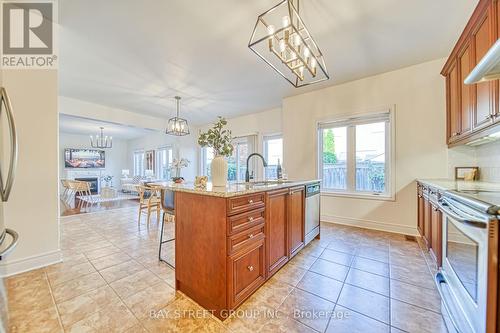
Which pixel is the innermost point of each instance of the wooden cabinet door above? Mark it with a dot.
(465, 105)
(484, 94)
(276, 230)
(453, 109)
(296, 206)
(420, 213)
(497, 9)
(246, 273)
(436, 235)
(427, 222)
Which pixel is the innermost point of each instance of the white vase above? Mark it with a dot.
(218, 171)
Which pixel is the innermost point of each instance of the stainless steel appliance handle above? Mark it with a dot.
(444, 205)
(7, 187)
(15, 238)
(441, 280)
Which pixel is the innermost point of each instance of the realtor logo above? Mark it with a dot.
(28, 34)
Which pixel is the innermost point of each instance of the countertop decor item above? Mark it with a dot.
(176, 165)
(281, 39)
(101, 141)
(219, 139)
(466, 173)
(201, 182)
(178, 180)
(176, 125)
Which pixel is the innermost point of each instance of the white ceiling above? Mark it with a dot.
(136, 55)
(76, 125)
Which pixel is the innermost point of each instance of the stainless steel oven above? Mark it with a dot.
(467, 280)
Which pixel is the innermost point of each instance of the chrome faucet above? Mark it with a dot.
(247, 173)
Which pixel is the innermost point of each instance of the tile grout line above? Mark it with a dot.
(54, 300)
(119, 297)
(341, 289)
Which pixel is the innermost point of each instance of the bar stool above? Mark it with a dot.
(168, 208)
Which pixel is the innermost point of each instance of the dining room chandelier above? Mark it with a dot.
(176, 125)
(101, 141)
(281, 39)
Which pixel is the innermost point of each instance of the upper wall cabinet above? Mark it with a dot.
(472, 111)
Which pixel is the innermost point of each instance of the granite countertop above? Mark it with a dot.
(460, 185)
(233, 189)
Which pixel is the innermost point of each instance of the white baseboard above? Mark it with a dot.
(370, 224)
(13, 267)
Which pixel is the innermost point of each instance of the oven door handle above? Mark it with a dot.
(446, 208)
(440, 281)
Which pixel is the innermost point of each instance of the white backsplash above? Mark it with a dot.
(486, 157)
(488, 161)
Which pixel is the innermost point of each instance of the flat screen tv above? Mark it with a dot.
(84, 158)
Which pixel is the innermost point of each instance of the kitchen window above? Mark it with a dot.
(243, 146)
(139, 163)
(355, 155)
(164, 157)
(273, 152)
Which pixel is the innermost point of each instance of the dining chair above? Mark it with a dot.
(66, 189)
(82, 188)
(149, 199)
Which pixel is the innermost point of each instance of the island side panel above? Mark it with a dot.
(200, 249)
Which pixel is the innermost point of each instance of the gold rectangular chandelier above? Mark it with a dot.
(281, 39)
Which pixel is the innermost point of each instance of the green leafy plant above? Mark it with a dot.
(217, 138)
(329, 155)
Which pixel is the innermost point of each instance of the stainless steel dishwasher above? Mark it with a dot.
(312, 211)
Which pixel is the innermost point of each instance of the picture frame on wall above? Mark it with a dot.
(466, 173)
(150, 160)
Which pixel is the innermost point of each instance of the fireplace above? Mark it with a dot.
(94, 183)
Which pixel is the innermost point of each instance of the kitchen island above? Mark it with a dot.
(230, 240)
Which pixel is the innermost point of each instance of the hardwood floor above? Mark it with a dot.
(77, 206)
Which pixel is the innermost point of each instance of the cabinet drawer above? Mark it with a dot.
(243, 221)
(246, 273)
(245, 203)
(245, 239)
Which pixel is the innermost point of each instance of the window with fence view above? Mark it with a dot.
(353, 155)
(273, 153)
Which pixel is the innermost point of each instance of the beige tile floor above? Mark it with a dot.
(352, 280)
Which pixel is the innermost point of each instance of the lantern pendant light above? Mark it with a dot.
(176, 125)
(101, 141)
(282, 40)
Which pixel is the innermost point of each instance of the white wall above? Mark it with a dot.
(184, 147)
(418, 94)
(487, 158)
(32, 209)
(116, 157)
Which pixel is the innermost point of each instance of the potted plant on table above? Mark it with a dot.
(108, 180)
(219, 139)
(176, 165)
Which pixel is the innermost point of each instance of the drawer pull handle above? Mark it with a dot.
(250, 219)
(250, 201)
(250, 236)
(250, 268)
